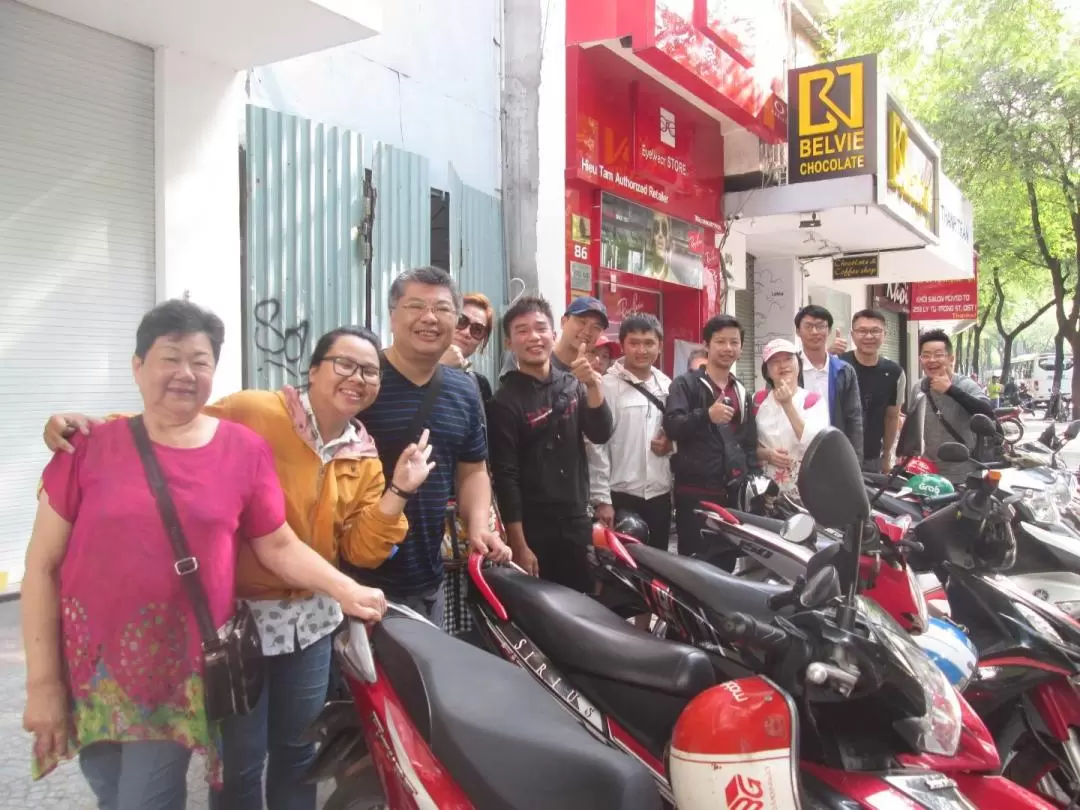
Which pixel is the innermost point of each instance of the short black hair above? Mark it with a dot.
(813, 311)
(178, 317)
(429, 276)
(718, 322)
(640, 322)
(935, 336)
(872, 314)
(326, 342)
(526, 305)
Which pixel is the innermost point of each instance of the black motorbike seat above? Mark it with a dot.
(577, 632)
(768, 524)
(503, 740)
(721, 592)
(896, 507)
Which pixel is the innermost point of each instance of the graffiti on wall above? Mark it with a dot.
(277, 344)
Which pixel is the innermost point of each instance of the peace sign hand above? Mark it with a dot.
(412, 466)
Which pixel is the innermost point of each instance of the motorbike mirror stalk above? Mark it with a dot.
(822, 588)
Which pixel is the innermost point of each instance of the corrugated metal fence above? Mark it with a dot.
(305, 269)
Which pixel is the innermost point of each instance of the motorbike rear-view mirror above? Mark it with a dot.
(983, 425)
(357, 652)
(798, 528)
(953, 452)
(821, 588)
(1046, 438)
(910, 441)
(831, 483)
(1072, 431)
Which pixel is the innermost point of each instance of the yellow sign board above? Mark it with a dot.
(832, 123)
(912, 168)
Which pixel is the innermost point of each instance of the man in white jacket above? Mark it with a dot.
(632, 470)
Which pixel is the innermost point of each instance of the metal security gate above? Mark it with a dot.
(76, 238)
(746, 369)
(891, 347)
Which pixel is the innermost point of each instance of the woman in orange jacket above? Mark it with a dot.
(338, 502)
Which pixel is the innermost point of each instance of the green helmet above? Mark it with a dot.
(928, 485)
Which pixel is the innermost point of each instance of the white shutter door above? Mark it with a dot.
(890, 347)
(76, 238)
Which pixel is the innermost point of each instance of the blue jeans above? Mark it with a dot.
(293, 696)
(147, 775)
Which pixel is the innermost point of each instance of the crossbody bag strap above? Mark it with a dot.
(416, 426)
(649, 395)
(945, 422)
(185, 565)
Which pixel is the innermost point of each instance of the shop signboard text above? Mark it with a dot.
(912, 169)
(832, 120)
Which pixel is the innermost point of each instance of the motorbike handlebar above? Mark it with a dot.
(745, 629)
(935, 502)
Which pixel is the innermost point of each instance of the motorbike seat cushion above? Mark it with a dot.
(577, 632)
(504, 741)
(768, 524)
(721, 592)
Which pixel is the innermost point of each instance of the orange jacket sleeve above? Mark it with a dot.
(369, 536)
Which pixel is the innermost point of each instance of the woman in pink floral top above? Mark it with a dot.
(113, 653)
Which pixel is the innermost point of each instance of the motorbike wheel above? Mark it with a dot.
(353, 794)
(1013, 429)
(1040, 766)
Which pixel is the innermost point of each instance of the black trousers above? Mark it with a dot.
(559, 543)
(693, 541)
(656, 512)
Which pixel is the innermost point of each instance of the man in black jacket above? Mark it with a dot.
(709, 417)
(538, 422)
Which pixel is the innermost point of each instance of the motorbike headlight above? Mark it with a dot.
(1062, 491)
(937, 731)
(1042, 506)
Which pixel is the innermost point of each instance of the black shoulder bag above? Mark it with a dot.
(232, 654)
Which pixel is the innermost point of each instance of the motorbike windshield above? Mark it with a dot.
(938, 730)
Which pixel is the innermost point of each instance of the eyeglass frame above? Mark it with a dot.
(365, 371)
(418, 308)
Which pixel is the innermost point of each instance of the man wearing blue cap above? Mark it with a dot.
(583, 323)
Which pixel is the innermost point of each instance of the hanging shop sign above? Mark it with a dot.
(911, 169)
(845, 268)
(832, 120)
(892, 297)
(946, 300)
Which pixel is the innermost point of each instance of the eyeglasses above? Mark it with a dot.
(820, 326)
(868, 332)
(441, 309)
(934, 356)
(347, 367)
(477, 330)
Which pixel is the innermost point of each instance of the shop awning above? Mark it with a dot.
(233, 33)
(841, 217)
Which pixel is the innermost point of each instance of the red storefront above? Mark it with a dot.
(652, 85)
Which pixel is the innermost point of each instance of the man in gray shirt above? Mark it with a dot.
(951, 402)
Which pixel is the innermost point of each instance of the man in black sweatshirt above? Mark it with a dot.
(538, 422)
(709, 417)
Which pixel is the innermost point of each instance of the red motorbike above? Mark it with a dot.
(450, 727)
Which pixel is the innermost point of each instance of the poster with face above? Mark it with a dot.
(635, 239)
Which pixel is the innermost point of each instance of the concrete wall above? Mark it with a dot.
(429, 83)
(199, 109)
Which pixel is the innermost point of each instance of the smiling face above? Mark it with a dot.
(935, 359)
(783, 366)
(347, 380)
(422, 322)
(725, 346)
(868, 334)
(641, 350)
(578, 329)
(176, 375)
(472, 326)
(531, 339)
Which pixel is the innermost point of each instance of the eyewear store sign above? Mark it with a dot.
(912, 170)
(832, 120)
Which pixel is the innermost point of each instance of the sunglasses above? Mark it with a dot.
(477, 331)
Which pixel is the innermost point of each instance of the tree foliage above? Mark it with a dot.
(997, 85)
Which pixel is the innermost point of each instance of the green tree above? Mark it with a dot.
(997, 84)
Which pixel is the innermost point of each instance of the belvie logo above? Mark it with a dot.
(744, 793)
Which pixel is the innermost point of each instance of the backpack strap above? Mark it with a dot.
(812, 399)
(759, 399)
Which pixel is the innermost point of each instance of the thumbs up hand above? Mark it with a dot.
(839, 344)
(583, 369)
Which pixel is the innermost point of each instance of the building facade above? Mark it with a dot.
(276, 162)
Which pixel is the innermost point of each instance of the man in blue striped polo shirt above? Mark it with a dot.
(424, 306)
